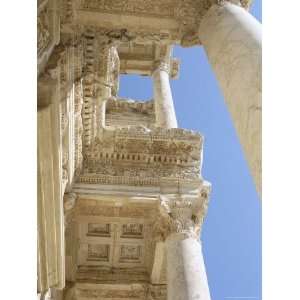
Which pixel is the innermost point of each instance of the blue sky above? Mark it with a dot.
(232, 231)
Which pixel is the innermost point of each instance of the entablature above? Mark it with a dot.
(173, 21)
(143, 153)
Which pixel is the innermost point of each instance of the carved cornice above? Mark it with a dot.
(141, 152)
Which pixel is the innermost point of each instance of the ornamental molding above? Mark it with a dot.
(90, 207)
(135, 181)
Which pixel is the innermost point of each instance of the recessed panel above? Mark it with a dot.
(130, 253)
(132, 230)
(98, 252)
(101, 230)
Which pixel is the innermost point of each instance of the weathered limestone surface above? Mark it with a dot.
(50, 212)
(121, 199)
(186, 271)
(232, 40)
(48, 31)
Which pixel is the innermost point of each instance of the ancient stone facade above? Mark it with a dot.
(121, 199)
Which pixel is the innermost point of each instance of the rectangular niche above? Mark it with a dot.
(101, 230)
(130, 253)
(98, 252)
(132, 230)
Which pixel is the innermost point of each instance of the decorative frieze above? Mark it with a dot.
(180, 18)
(87, 207)
(140, 152)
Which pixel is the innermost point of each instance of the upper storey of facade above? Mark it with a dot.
(142, 21)
(116, 141)
(173, 21)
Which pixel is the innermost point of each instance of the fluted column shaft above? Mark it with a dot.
(164, 106)
(232, 40)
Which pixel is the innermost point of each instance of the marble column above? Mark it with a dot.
(186, 275)
(232, 40)
(164, 107)
(185, 269)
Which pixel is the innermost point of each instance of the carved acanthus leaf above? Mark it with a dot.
(182, 214)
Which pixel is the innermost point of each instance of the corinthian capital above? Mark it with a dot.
(170, 66)
(183, 215)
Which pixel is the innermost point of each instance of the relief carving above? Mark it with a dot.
(141, 152)
(140, 7)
